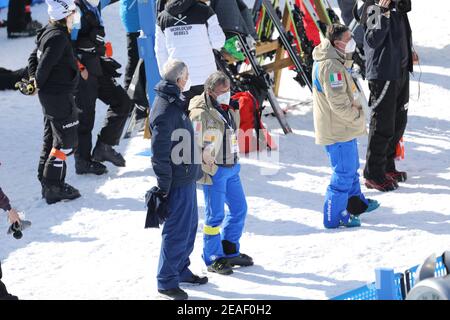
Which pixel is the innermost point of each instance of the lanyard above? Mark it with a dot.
(225, 120)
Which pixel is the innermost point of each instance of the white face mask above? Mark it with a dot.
(187, 86)
(350, 46)
(94, 3)
(224, 98)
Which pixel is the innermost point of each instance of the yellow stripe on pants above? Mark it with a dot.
(211, 231)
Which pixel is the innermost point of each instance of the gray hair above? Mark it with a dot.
(173, 70)
(215, 79)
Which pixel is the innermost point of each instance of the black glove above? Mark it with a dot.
(26, 87)
(16, 228)
(157, 207)
(110, 66)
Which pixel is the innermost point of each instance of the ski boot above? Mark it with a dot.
(399, 176)
(29, 31)
(352, 222)
(104, 152)
(56, 193)
(220, 266)
(85, 167)
(372, 205)
(242, 260)
(4, 294)
(383, 185)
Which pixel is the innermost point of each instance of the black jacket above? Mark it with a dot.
(168, 114)
(383, 49)
(234, 15)
(89, 40)
(53, 63)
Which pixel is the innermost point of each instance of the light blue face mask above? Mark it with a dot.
(77, 19)
(94, 3)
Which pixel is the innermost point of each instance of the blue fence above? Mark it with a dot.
(389, 285)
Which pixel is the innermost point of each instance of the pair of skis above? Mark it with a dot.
(261, 74)
(324, 9)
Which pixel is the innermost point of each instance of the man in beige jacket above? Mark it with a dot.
(216, 126)
(338, 121)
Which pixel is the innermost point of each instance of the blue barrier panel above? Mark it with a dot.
(385, 284)
(370, 292)
(146, 43)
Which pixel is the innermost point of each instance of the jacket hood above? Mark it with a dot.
(175, 7)
(325, 51)
(169, 91)
(49, 29)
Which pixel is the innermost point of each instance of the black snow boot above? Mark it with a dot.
(194, 279)
(29, 31)
(174, 294)
(242, 260)
(56, 193)
(104, 152)
(399, 176)
(4, 294)
(85, 167)
(221, 266)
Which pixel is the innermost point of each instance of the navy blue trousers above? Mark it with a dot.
(178, 236)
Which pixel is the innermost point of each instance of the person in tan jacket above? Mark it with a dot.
(215, 128)
(338, 121)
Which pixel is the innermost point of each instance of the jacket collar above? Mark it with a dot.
(176, 7)
(170, 92)
(325, 50)
(210, 106)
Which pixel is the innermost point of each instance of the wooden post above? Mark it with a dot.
(322, 12)
(281, 52)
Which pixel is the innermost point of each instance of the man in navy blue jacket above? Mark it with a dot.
(176, 164)
(389, 54)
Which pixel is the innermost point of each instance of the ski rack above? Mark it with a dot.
(284, 40)
(259, 71)
(356, 78)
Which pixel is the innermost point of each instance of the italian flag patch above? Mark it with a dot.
(336, 80)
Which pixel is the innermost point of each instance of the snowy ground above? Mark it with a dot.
(96, 247)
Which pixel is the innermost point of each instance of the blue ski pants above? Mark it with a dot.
(344, 182)
(225, 189)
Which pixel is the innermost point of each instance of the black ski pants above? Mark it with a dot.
(112, 94)
(60, 136)
(8, 78)
(18, 17)
(133, 58)
(389, 102)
